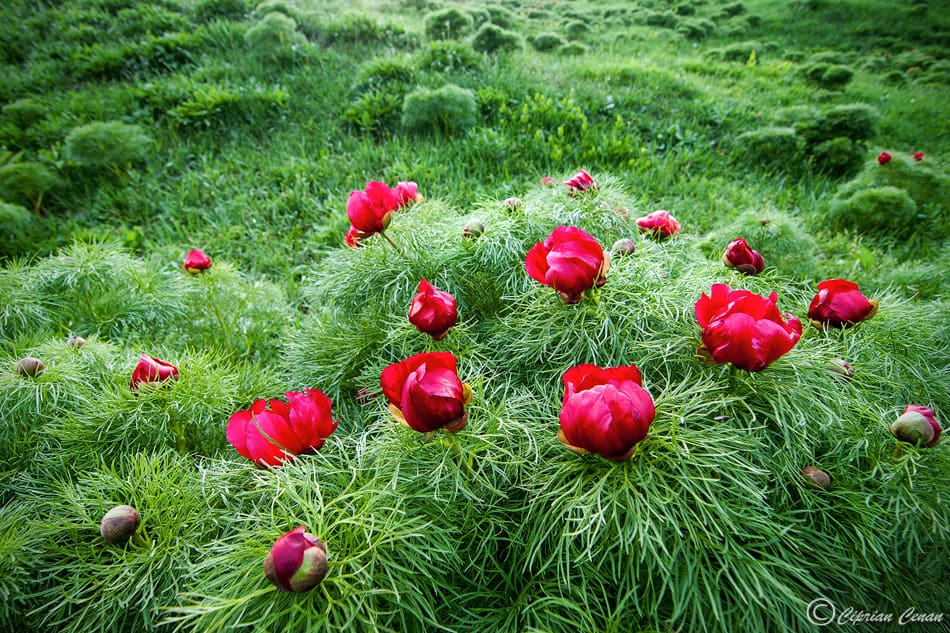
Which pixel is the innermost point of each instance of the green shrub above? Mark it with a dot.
(492, 39)
(284, 7)
(684, 9)
(390, 73)
(448, 24)
(877, 210)
(275, 35)
(447, 110)
(574, 49)
(662, 19)
(773, 146)
(737, 52)
(856, 121)
(695, 28)
(375, 112)
(210, 10)
(443, 56)
(732, 10)
(212, 105)
(576, 30)
(838, 157)
(505, 18)
(479, 16)
(25, 113)
(355, 29)
(15, 229)
(26, 182)
(546, 41)
(147, 19)
(107, 145)
(829, 76)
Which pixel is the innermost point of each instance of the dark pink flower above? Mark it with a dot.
(581, 181)
(917, 425)
(659, 223)
(605, 411)
(570, 261)
(738, 255)
(918, 156)
(407, 192)
(432, 311)
(425, 392)
(151, 369)
(196, 261)
(840, 304)
(884, 158)
(297, 561)
(370, 210)
(744, 328)
(273, 431)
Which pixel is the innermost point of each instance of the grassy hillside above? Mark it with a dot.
(131, 133)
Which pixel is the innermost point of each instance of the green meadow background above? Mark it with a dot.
(132, 132)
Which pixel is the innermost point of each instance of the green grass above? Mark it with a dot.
(131, 133)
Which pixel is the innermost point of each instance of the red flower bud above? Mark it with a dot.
(817, 476)
(659, 223)
(29, 366)
(917, 425)
(151, 369)
(840, 304)
(581, 181)
(884, 158)
(432, 311)
(273, 431)
(407, 192)
(119, 524)
(623, 246)
(196, 261)
(570, 261)
(919, 156)
(744, 328)
(297, 561)
(473, 229)
(75, 341)
(547, 181)
(513, 203)
(605, 411)
(738, 255)
(841, 367)
(425, 392)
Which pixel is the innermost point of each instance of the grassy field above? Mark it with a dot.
(132, 133)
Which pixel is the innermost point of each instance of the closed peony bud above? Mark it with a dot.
(739, 255)
(151, 369)
(841, 367)
(918, 156)
(660, 224)
(30, 366)
(581, 181)
(884, 158)
(119, 524)
(917, 425)
(513, 203)
(196, 261)
(297, 561)
(473, 229)
(75, 341)
(623, 246)
(817, 476)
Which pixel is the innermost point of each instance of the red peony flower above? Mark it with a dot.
(407, 192)
(432, 311)
(659, 223)
(196, 261)
(273, 431)
(352, 238)
(917, 425)
(547, 181)
(371, 210)
(570, 261)
(605, 411)
(744, 328)
(151, 369)
(918, 156)
(884, 158)
(738, 255)
(425, 392)
(297, 561)
(581, 181)
(840, 304)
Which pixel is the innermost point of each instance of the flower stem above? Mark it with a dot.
(392, 243)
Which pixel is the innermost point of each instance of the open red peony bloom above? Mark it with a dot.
(425, 392)
(840, 304)
(659, 223)
(297, 561)
(407, 192)
(432, 311)
(570, 261)
(581, 181)
(884, 158)
(738, 255)
(273, 431)
(605, 411)
(745, 329)
(151, 369)
(196, 261)
(370, 210)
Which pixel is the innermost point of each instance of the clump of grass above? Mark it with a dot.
(490, 38)
(16, 225)
(448, 24)
(26, 182)
(107, 145)
(447, 110)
